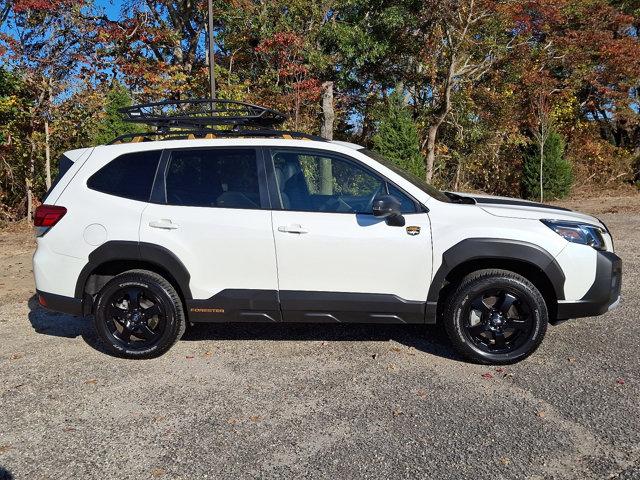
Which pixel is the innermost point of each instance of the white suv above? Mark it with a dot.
(149, 236)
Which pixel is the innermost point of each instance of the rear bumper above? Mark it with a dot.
(60, 303)
(604, 294)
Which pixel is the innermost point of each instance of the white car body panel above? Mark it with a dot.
(352, 253)
(222, 248)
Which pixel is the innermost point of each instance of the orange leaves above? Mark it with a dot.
(47, 6)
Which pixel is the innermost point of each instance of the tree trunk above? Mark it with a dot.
(541, 164)
(444, 109)
(28, 181)
(47, 148)
(328, 113)
(326, 131)
(47, 153)
(431, 149)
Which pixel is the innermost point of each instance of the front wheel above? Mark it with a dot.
(496, 317)
(139, 315)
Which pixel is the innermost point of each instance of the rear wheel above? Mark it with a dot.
(139, 315)
(496, 317)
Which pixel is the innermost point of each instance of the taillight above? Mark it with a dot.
(47, 216)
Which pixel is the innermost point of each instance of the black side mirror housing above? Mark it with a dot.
(388, 207)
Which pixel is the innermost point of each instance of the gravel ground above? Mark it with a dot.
(296, 401)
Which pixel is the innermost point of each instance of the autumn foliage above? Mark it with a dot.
(480, 83)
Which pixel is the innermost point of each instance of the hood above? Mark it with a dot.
(518, 208)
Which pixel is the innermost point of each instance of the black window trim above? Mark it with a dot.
(159, 190)
(274, 194)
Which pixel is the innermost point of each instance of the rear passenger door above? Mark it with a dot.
(210, 208)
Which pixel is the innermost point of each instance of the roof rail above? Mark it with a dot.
(202, 113)
(204, 133)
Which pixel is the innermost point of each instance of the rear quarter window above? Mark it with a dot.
(64, 164)
(129, 176)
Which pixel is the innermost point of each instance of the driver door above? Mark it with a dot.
(337, 262)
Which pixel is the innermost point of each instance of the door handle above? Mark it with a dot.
(164, 224)
(295, 228)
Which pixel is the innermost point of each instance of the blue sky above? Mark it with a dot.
(111, 7)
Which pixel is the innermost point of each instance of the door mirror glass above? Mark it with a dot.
(388, 207)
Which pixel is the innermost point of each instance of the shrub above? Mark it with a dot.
(557, 175)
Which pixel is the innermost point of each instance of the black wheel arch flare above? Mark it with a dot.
(472, 249)
(122, 251)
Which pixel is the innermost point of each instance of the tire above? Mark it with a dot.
(139, 314)
(495, 317)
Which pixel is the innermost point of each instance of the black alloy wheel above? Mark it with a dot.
(135, 317)
(498, 320)
(139, 314)
(495, 317)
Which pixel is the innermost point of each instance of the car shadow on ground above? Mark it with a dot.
(57, 324)
(5, 474)
(425, 338)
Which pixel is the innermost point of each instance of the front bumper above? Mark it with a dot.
(604, 294)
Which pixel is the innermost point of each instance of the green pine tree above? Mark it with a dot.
(113, 125)
(397, 137)
(557, 175)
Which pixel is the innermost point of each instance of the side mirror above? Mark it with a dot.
(388, 207)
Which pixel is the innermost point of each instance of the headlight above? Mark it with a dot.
(577, 232)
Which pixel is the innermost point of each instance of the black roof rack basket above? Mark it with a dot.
(202, 114)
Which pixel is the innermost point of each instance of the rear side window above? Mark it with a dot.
(224, 178)
(128, 176)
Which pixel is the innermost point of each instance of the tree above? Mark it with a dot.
(48, 43)
(112, 124)
(551, 174)
(397, 136)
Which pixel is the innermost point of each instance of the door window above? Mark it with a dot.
(225, 178)
(313, 182)
(317, 183)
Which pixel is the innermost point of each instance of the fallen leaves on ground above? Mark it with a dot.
(5, 448)
(158, 472)
(487, 375)
(422, 393)
(397, 412)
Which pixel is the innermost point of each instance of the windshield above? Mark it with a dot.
(415, 181)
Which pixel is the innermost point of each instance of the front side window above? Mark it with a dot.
(314, 182)
(224, 178)
(128, 176)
